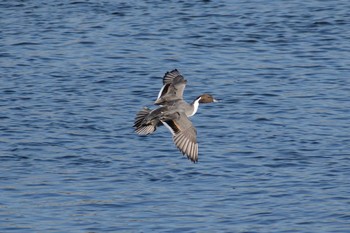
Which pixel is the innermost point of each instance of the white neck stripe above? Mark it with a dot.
(195, 106)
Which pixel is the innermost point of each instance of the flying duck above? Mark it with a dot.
(174, 113)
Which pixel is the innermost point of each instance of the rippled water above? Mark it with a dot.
(274, 152)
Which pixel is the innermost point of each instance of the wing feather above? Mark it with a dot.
(184, 135)
(173, 87)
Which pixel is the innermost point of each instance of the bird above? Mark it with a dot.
(174, 113)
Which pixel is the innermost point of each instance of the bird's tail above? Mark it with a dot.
(140, 127)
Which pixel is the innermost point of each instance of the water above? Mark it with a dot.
(274, 152)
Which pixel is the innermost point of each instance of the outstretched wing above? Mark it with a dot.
(173, 87)
(184, 134)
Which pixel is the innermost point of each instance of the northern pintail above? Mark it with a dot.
(174, 113)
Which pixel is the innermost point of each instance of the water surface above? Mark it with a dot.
(274, 152)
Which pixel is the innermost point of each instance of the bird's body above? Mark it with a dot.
(174, 113)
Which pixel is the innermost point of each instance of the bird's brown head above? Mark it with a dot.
(206, 98)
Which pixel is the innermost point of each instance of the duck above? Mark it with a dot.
(174, 113)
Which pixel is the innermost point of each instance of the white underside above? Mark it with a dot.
(160, 92)
(171, 130)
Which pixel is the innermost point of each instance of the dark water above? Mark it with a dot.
(274, 153)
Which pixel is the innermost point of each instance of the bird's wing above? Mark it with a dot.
(173, 87)
(184, 134)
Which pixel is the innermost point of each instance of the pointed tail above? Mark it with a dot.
(140, 127)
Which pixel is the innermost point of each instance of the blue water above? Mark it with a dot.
(274, 153)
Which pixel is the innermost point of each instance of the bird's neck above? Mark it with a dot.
(195, 105)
